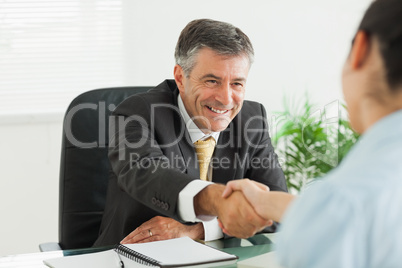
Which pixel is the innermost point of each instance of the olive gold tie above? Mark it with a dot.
(204, 149)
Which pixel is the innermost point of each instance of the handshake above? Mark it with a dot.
(244, 207)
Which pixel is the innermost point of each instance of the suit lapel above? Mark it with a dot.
(185, 145)
(188, 154)
(224, 166)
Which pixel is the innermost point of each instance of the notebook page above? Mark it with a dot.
(180, 251)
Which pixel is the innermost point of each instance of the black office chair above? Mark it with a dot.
(84, 167)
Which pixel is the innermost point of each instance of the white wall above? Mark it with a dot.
(30, 153)
(300, 46)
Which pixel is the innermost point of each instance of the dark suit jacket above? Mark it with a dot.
(153, 159)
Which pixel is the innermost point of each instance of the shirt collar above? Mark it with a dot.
(383, 129)
(379, 135)
(195, 133)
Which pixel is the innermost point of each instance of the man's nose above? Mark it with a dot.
(224, 95)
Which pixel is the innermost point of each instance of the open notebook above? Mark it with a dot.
(179, 252)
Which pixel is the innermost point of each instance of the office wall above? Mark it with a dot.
(29, 161)
(300, 46)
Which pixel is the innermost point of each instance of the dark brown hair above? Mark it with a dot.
(383, 19)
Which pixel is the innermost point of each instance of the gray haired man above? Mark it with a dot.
(184, 140)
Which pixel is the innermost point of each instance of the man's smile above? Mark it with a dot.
(215, 110)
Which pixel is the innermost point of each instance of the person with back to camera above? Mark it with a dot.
(354, 213)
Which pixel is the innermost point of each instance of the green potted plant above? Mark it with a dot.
(310, 143)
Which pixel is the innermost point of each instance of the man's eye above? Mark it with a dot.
(237, 84)
(211, 83)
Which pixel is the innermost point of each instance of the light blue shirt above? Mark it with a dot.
(353, 217)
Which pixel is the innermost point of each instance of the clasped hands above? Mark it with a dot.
(270, 206)
(251, 216)
(235, 205)
(241, 208)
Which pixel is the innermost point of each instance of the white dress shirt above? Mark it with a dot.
(186, 196)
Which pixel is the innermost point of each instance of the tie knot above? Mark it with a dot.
(205, 144)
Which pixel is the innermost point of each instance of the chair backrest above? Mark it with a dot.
(84, 167)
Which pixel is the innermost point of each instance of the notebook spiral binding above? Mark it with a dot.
(136, 256)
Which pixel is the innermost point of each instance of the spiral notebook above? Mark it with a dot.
(179, 252)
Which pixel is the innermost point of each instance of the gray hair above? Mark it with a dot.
(221, 37)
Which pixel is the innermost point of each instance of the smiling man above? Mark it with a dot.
(213, 93)
(176, 146)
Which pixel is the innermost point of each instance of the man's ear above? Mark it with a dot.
(179, 77)
(359, 50)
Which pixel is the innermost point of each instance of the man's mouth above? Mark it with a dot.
(217, 110)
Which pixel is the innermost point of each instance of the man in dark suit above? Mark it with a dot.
(176, 146)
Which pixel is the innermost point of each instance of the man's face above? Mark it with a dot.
(213, 93)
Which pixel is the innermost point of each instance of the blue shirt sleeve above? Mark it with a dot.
(322, 228)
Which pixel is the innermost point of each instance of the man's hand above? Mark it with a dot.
(253, 191)
(269, 205)
(162, 228)
(236, 216)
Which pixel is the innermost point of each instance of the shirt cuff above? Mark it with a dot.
(212, 231)
(186, 201)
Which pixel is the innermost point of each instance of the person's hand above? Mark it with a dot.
(236, 216)
(162, 228)
(255, 193)
(269, 205)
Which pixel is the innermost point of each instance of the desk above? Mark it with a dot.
(243, 248)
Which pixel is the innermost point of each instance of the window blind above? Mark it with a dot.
(52, 50)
